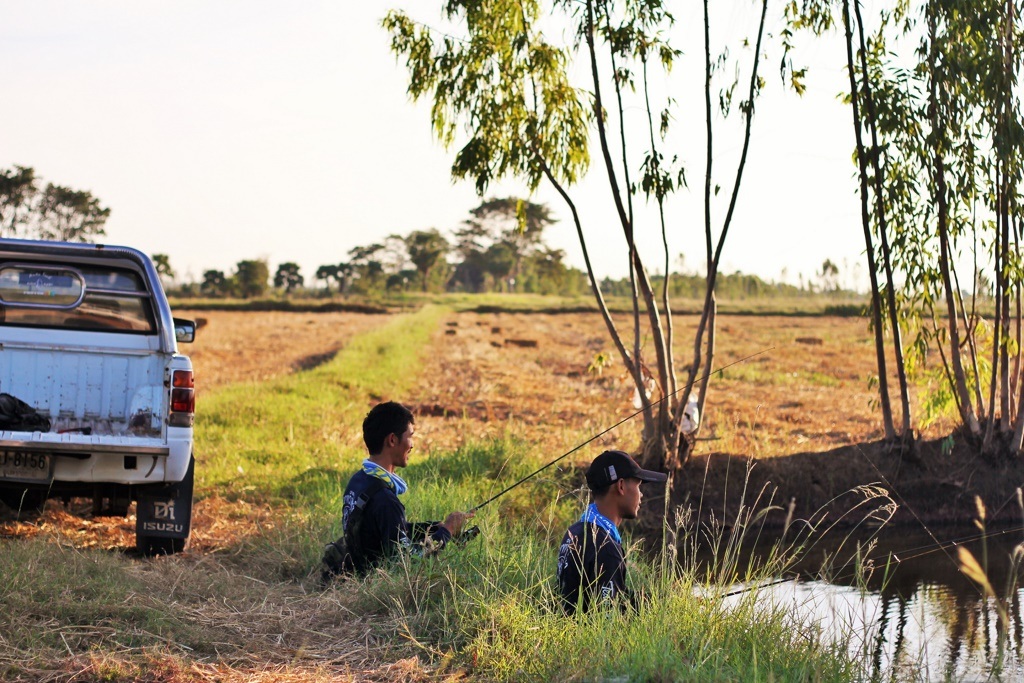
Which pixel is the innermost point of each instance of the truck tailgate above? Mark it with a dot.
(106, 391)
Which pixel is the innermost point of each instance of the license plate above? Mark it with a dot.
(26, 466)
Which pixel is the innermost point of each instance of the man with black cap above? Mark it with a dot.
(591, 563)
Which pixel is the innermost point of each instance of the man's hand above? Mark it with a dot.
(455, 521)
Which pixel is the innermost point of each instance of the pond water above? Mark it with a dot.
(917, 617)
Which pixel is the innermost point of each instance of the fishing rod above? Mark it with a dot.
(623, 420)
(760, 585)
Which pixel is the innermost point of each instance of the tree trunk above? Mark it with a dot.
(897, 337)
(945, 255)
(876, 303)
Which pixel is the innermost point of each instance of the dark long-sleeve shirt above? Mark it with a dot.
(383, 528)
(591, 567)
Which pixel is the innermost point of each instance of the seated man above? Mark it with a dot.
(373, 518)
(591, 563)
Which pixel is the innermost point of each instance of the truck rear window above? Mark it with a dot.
(75, 297)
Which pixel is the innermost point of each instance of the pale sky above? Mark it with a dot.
(229, 130)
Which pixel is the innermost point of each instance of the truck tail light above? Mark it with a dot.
(183, 399)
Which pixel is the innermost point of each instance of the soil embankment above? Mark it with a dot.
(939, 485)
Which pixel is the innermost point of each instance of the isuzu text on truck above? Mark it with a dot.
(95, 400)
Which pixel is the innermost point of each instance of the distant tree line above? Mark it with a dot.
(31, 210)
(499, 248)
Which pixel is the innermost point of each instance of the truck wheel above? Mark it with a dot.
(163, 516)
(149, 546)
(29, 501)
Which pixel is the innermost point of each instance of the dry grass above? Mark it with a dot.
(809, 394)
(233, 347)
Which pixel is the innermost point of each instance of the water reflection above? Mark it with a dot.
(916, 617)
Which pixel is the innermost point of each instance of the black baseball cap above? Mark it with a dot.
(611, 466)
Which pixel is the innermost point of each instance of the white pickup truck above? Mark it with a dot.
(87, 341)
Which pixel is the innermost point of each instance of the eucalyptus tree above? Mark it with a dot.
(954, 132)
(872, 187)
(935, 88)
(519, 107)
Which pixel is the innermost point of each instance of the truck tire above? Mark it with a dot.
(24, 500)
(163, 516)
(150, 547)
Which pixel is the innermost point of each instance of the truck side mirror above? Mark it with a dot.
(184, 330)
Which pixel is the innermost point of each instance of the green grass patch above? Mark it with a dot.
(292, 436)
(489, 607)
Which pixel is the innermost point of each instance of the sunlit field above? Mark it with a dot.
(281, 399)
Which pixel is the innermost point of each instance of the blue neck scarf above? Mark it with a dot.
(592, 516)
(392, 480)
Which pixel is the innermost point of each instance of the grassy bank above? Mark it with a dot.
(273, 460)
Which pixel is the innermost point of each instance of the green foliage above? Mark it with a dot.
(936, 84)
(729, 286)
(162, 262)
(508, 81)
(288, 276)
(341, 273)
(55, 213)
(251, 278)
(215, 284)
(427, 249)
(18, 192)
(69, 215)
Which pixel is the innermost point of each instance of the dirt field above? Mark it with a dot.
(802, 408)
(802, 412)
(806, 390)
(235, 346)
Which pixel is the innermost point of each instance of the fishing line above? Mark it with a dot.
(915, 552)
(903, 500)
(623, 420)
(952, 543)
(900, 557)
